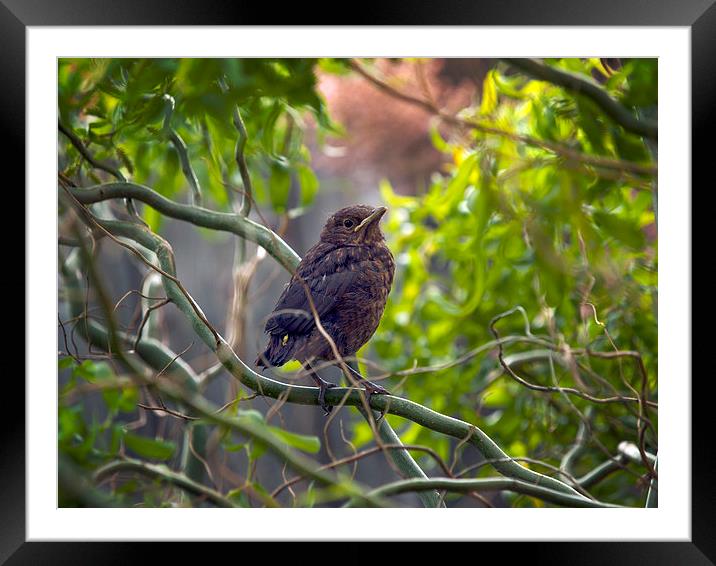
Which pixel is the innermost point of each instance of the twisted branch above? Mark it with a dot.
(580, 86)
(301, 394)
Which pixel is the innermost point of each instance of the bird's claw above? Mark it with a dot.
(325, 386)
(374, 389)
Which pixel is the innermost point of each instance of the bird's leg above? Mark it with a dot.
(370, 387)
(323, 387)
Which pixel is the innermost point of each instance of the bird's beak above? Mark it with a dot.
(374, 216)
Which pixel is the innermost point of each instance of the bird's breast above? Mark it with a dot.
(362, 306)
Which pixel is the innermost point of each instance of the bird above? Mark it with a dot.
(349, 273)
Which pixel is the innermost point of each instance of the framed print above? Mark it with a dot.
(377, 282)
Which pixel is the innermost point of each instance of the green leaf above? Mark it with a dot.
(238, 496)
(334, 66)
(496, 396)
(91, 371)
(489, 94)
(642, 79)
(626, 231)
(152, 448)
(252, 415)
(66, 362)
(309, 184)
(118, 433)
(302, 442)
(128, 400)
(393, 199)
(256, 449)
(279, 186)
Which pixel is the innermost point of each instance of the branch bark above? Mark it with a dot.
(223, 221)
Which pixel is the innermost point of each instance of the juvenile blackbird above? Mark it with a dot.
(349, 273)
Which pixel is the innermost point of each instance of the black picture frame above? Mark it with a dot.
(698, 15)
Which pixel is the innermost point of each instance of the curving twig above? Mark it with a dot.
(247, 194)
(181, 149)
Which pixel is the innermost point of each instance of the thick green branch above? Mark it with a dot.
(271, 388)
(186, 167)
(405, 463)
(222, 221)
(578, 448)
(579, 85)
(607, 467)
(486, 484)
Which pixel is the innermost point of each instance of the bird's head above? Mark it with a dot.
(358, 224)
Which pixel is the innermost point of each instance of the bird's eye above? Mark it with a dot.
(348, 223)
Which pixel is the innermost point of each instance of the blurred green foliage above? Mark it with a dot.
(122, 108)
(506, 223)
(511, 224)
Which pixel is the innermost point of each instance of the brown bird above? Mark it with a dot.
(348, 273)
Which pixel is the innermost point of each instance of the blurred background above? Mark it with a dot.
(504, 190)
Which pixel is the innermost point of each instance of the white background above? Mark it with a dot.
(671, 521)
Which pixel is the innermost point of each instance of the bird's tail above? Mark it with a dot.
(278, 351)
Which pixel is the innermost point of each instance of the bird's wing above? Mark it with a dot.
(326, 289)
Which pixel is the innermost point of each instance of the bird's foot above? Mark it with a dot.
(325, 386)
(374, 389)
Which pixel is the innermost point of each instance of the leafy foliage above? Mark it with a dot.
(124, 107)
(545, 204)
(124, 110)
(510, 224)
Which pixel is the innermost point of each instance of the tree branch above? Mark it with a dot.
(271, 388)
(222, 221)
(580, 86)
(247, 195)
(602, 471)
(162, 472)
(401, 458)
(181, 149)
(486, 484)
